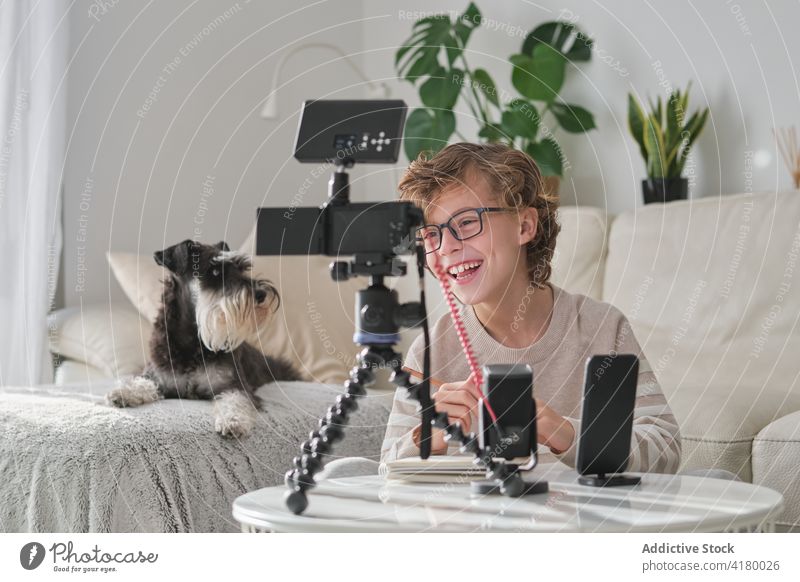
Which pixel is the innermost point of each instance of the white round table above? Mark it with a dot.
(660, 503)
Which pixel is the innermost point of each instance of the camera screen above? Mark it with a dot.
(353, 131)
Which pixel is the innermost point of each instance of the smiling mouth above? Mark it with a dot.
(465, 272)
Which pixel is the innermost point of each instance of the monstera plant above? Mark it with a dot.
(665, 135)
(434, 58)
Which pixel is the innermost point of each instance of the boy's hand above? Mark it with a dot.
(459, 400)
(553, 430)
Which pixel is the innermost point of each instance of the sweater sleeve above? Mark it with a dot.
(655, 439)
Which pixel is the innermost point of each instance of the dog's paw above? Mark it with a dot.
(232, 427)
(234, 415)
(133, 391)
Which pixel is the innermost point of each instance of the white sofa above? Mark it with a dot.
(710, 288)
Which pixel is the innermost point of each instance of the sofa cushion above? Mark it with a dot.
(720, 415)
(578, 262)
(776, 464)
(111, 339)
(707, 285)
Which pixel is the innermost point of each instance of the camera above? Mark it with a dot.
(343, 133)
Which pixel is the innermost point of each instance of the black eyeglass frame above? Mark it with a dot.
(452, 230)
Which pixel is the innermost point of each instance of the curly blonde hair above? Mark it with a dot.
(506, 170)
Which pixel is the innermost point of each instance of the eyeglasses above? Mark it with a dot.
(462, 225)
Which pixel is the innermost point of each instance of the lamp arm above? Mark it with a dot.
(324, 45)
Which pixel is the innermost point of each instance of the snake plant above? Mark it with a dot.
(664, 134)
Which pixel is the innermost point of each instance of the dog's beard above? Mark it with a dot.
(225, 321)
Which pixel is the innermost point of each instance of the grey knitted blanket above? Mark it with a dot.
(69, 463)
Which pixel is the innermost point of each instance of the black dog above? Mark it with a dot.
(211, 308)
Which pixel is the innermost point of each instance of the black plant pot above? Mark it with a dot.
(665, 189)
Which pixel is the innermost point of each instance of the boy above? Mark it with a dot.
(493, 229)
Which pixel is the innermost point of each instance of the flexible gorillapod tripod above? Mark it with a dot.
(379, 316)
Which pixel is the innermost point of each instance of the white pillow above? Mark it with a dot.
(140, 278)
(109, 338)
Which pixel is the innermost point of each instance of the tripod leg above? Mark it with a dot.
(320, 442)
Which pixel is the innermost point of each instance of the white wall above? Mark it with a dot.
(146, 172)
(738, 55)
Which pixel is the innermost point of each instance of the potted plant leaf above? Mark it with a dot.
(435, 59)
(665, 136)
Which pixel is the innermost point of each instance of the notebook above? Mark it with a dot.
(439, 469)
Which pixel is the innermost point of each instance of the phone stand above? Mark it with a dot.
(607, 420)
(603, 480)
(509, 388)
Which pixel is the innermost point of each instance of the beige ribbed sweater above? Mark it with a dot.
(579, 327)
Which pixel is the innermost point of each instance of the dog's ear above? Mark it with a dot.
(176, 258)
(222, 245)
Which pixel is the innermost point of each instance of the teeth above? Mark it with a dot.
(462, 267)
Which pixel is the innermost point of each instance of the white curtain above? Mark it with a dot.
(33, 60)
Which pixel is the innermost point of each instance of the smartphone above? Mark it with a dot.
(609, 396)
(509, 390)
